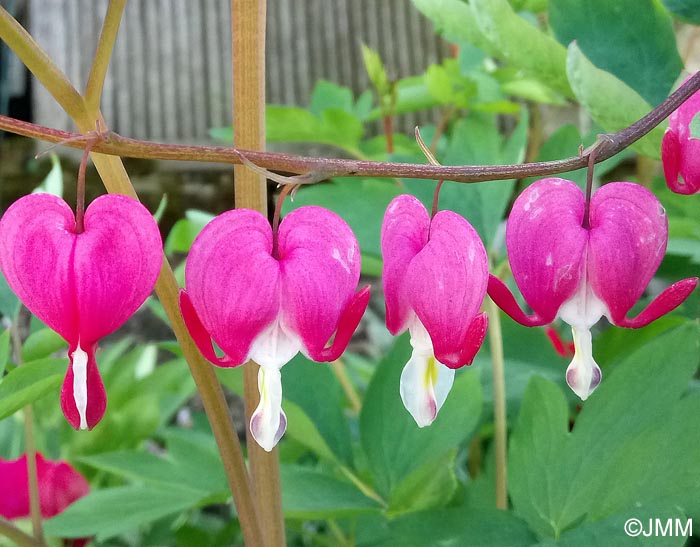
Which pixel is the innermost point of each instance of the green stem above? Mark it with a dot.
(11, 532)
(250, 191)
(98, 71)
(500, 426)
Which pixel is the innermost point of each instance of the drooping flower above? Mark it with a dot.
(84, 285)
(265, 298)
(59, 486)
(435, 277)
(580, 274)
(680, 148)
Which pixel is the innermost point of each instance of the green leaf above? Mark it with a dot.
(522, 44)
(312, 494)
(110, 512)
(4, 350)
(42, 343)
(430, 486)
(340, 196)
(616, 108)
(637, 431)
(455, 19)
(688, 10)
(459, 528)
(646, 56)
(314, 388)
(28, 383)
(184, 231)
(375, 70)
(393, 443)
(327, 95)
(53, 182)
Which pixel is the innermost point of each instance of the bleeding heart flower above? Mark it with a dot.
(83, 285)
(266, 300)
(580, 274)
(680, 148)
(435, 277)
(59, 486)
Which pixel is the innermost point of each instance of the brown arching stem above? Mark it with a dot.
(324, 168)
(286, 190)
(589, 190)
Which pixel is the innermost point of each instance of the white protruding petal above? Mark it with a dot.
(425, 383)
(583, 374)
(584, 309)
(268, 423)
(80, 391)
(275, 346)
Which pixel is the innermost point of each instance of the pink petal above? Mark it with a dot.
(445, 284)
(667, 301)
(36, 247)
(504, 299)
(628, 238)
(116, 264)
(95, 399)
(671, 160)
(59, 486)
(232, 283)
(199, 334)
(84, 286)
(546, 242)
(404, 233)
(690, 167)
(320, 267)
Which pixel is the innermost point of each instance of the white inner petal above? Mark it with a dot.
(583, 374)
(268, 423)
(80, 391)
(584, 309)
(275, 346)
(425, 381)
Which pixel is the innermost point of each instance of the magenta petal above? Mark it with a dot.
(199, 334)
(346, 327)
(446, 283)
(233, 282)
(628, 238)
(546, 243)
(95, 395)
(36, 246)
(667, 301)
(320, 267)
(472, 341)
(404, 233)
(504, 299)
(671, 159)
(116, 264)
(59, 486)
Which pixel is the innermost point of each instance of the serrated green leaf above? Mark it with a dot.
(646, 56)
(637, 430)
(522, 44)
(312, 494)
(135, 506)
(393, 443)
(28, 383)
(618, 107)
(327, 95)
(375, 70)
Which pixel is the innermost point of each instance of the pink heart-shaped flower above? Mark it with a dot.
(83, 285)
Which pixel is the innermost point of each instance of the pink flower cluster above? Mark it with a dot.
(265, 294)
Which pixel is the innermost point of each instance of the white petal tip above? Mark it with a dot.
(269, 422)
